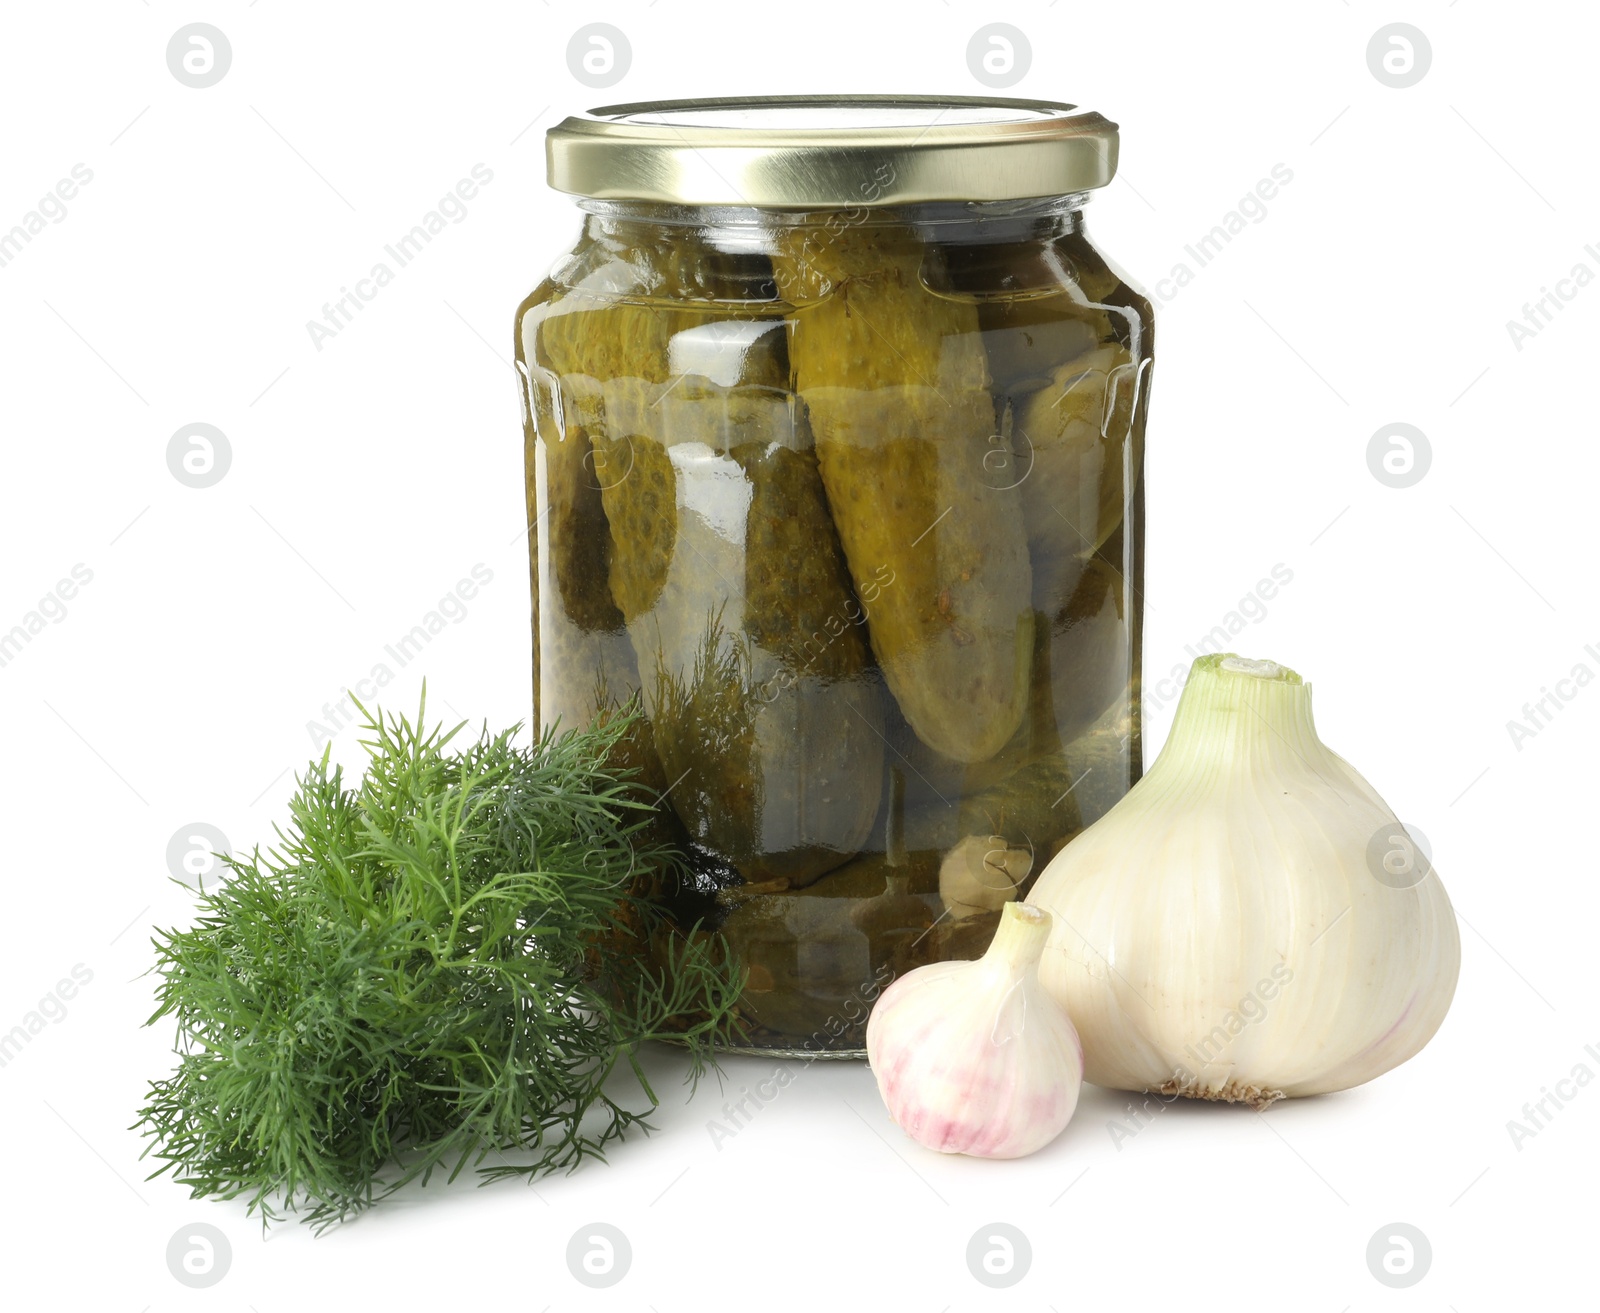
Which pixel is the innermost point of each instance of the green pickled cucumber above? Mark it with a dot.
(580, 546)
(1091, 652)
(575, 664)
(1080, 682)
(1082, 661)
(611, 357)
(578, 630)
(1064, 336)
(1041, 298)
(1027, 339)
(1077, 434)
(897, 389)
(731, 583)
(1106, 760)
(933, 773)
(768, 710)
(1082, 665)
(1035, 807)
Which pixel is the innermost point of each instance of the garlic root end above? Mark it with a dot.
(1258, 1097)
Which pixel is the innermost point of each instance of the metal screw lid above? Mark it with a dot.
(811, 152)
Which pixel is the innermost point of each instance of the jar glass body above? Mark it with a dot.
(851, 502)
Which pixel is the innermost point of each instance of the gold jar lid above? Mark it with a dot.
(803, 152)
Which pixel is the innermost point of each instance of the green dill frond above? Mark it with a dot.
(438, 966)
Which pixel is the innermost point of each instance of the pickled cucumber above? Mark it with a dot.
(612, 360)
(1082, 661)
(1042, 296)
(730, 581)
(1091, 652)
(1033, 808)
(1081, 671)
(932, 773)
(1027, 340)
(579, 544)
(1077, 435)
(1068, 342)
(895, 382)
(769, 707)
(1106, 760)
(578, 630)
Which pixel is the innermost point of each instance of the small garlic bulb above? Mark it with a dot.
(981, 874)
(975, 1057)
(1237, 927)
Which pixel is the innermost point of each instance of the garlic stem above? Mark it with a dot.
(1023, 933)
(1250, 666)
(1238, 712)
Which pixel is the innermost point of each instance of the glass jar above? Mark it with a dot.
(834, 442)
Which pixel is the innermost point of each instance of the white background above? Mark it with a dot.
(369, 476)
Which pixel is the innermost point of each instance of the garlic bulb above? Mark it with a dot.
(1236, 927)
(981, 873)
(975, 1057)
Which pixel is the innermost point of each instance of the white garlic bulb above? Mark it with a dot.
(981, 873)
(1238, 927)
(975, 1057)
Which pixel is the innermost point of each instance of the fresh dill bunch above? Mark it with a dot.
(444, 964)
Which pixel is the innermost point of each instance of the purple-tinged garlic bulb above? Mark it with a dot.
(976, 1057)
